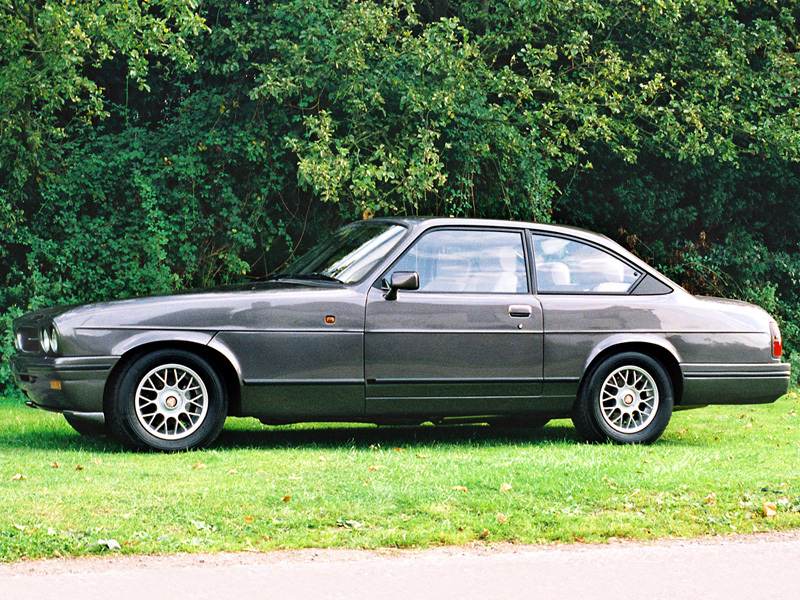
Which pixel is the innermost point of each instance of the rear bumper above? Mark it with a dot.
(734, 384)
(64, 383)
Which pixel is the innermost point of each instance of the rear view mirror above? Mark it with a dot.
(402, 280)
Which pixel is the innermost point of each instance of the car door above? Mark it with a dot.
(468, 341)
(592, 299)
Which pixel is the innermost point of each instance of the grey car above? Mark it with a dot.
(405, 321)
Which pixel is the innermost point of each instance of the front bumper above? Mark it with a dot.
(734, 383)
(64, 383)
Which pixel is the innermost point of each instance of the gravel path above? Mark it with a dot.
(758, 566)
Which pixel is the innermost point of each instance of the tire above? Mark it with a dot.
(168, 400)
(627, 399)
(88, 424)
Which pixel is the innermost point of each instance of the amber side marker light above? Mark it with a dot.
(777, 342)
(55, 385)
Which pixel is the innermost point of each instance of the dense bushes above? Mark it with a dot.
(164, 145)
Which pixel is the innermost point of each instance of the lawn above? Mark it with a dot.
(718, 470)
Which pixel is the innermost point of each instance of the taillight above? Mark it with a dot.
(777, 343)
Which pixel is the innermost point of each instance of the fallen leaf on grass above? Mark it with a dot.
(506, 487)
(54, 465)
(711, 498)
(233, 472)
(484, 534)
(18, 477)
(501, 518)
(769, 509)
(287, 497)
(110, 544)
(459, 488)
(79, 468)
(199, 465)
(249, 519)
(375, 468)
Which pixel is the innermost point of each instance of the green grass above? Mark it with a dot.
(366, 487)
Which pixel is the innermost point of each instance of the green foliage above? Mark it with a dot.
(148, 146)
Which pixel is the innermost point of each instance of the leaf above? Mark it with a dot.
(506, 487)
(54, 465)
(110, 544)
(233, 472)
(321, 459)
(199, 465)
(769, 509)
(79, 468)
(711, 498)
(18, 477)
(459, 488)
(287, 497)
(249, 519)
(375, 468)
(501, 518)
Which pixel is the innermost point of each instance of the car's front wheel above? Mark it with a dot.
(167, 400)
(627, 398)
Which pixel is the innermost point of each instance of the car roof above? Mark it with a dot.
(431, 222)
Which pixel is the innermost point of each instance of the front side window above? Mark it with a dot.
(467, 261)
(568, 266)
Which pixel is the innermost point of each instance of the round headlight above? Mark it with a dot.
(53, 339)
(44, 340)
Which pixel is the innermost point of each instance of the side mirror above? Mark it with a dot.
(402, 280)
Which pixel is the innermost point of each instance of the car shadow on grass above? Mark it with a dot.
(366, 436)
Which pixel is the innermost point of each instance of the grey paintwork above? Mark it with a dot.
(422, 355)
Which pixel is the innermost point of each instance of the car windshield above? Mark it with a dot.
(348, 255)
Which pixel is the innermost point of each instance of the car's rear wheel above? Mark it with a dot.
(167, 400)
(88, 424)
(627, 398)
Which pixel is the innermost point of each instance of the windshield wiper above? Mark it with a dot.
(306, 276)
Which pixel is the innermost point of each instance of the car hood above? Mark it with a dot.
(263, 305)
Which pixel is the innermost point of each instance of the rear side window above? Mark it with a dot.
(455, 260)
(565, 266)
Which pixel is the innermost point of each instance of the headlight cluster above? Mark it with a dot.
(48, 338)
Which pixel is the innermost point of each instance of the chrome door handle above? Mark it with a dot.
(520, 310)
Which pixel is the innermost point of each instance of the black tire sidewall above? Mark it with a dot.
(590, 397)
(121, 412)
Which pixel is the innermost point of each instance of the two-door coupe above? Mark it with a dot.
(404, 321)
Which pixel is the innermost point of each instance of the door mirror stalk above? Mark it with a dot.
(402, 280)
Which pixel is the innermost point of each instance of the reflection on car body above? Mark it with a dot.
(408, 320)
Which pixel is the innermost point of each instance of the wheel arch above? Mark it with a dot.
(662, 352)
(225, 369)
